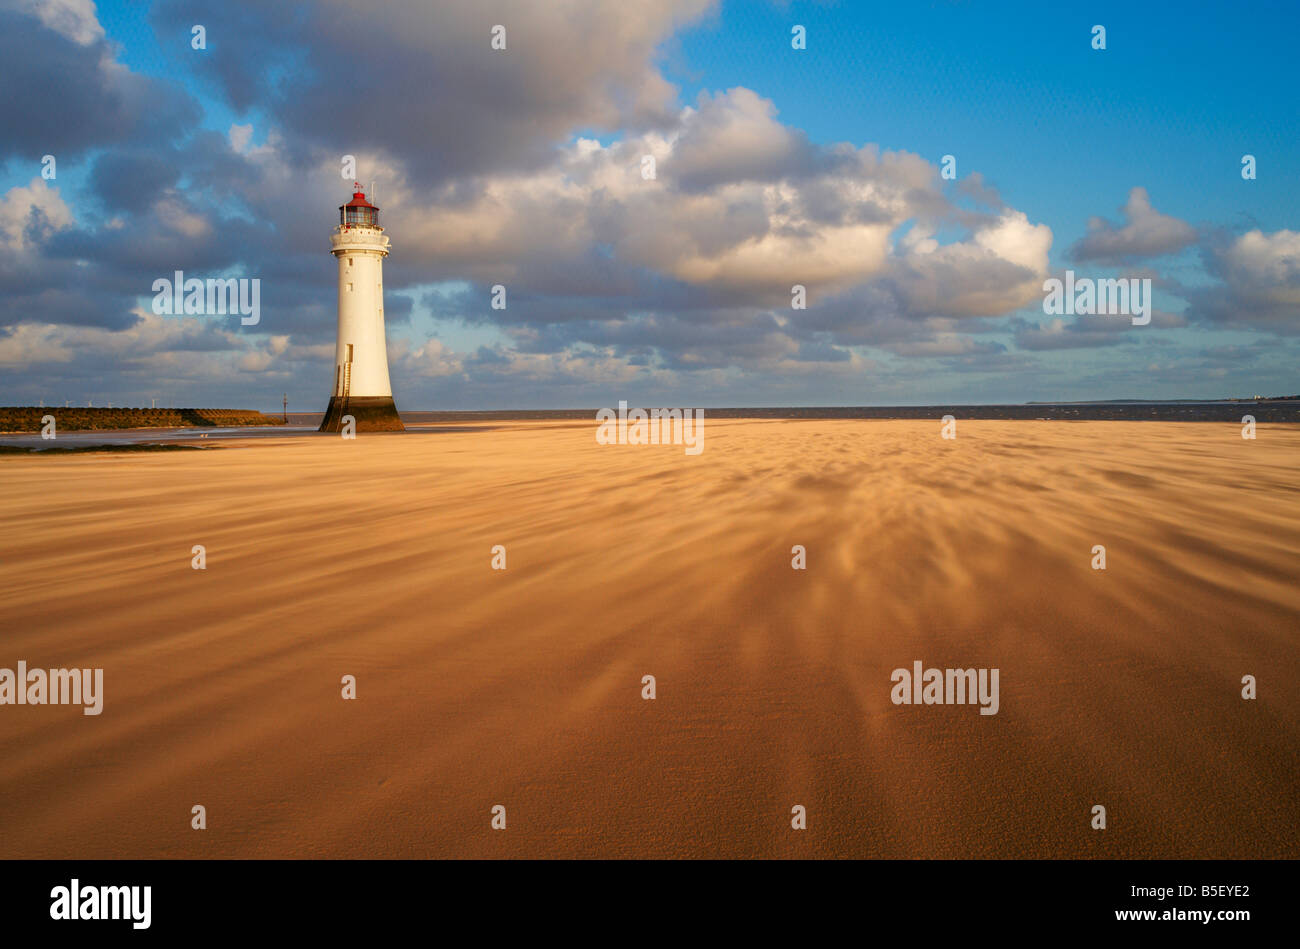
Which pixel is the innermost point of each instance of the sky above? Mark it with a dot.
(922, 171)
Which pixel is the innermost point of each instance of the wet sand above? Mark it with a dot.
(523, 687)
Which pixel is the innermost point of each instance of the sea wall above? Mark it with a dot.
(28, 418)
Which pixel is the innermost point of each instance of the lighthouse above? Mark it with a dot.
(361, 387)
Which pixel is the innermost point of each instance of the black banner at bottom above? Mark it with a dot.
(152, 899)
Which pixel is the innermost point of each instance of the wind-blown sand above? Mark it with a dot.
(372, 558)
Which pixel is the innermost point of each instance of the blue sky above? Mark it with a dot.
(919, 292)
(1181, 92)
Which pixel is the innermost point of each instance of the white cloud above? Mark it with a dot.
(1148, 233)
(29, 214)
(74, 19)
(240, 136)
(1260, 286)
(1266, 265)
(998, 270)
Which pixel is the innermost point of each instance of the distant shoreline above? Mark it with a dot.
(1272, 410)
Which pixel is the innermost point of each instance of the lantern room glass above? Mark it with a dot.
(355, 215)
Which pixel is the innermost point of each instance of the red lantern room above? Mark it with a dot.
(359, 210)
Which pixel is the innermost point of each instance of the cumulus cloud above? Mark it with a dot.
(149, 338)
(73, 19)
(29, 216)
(1268, 262)
(735, 136)
(1146, 233)
(999, 269)
(591, 225)
(431, 359)
(568, 64)
(1259, 282)
(65, 92)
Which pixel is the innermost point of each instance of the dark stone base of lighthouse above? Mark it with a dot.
(372, 413)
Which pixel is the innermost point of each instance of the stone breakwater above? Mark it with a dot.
(28, 418)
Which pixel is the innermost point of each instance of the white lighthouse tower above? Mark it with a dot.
(361, 387)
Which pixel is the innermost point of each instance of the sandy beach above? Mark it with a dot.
(522, 687)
